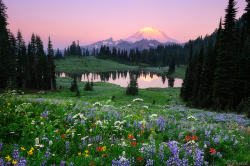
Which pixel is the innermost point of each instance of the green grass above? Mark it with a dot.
(89, 64)
(104, 91)
(179, 72)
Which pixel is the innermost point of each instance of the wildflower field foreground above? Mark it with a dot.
(75, 132)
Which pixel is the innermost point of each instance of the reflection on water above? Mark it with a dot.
(122, 78)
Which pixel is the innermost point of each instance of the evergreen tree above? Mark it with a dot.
(74, 86)
(171, 66)
(21, 61)
(207, 76)
(5, 60)
(187, 86)
(58, 54)
(132, 88)
(224, 79)
(51, 66)
(32, 63)
(198, 61)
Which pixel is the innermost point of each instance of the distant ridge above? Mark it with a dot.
(145, 38)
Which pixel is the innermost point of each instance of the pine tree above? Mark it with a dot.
(5, 60)
(132, 88)
(171, 66)
(51, 66)
(225, 72)
(198, 61)
(207, 75)
(74, 86)
(187, 86)
(12, 62)
(21, 61)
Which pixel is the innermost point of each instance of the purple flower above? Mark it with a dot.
(62, 163)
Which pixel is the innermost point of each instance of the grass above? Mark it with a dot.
(104, 91)
(89, 64)
(179, 72)
(57, 128)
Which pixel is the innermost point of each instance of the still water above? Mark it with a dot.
(122, 78)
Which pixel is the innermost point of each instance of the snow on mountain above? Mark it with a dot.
(143, 39)
(150, 34)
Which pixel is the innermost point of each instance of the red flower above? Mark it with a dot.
(99, 148)
(188, 138)
(139, 159)
(133, 143)
(58, 131)
(93, 124)
(92, 163)
(104, 155)
(194, 138)
(212, 151)
(130, 136)
(63, 135)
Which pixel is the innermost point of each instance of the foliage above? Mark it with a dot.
(43, 131)
(88, 86)
(219, 76)
(132, 88)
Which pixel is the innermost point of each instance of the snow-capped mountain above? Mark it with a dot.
(143, 39)
(150, 34)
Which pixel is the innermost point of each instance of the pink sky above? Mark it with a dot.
(92, 20)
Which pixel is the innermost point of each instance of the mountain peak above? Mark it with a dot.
(150, 33)
(149, 30)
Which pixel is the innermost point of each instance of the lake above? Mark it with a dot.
(122, 78)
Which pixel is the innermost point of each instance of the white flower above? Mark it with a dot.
(97, 104)
(123, 159)
(137, 99)
(50, 143)
(145, 106)
(191, 118)
(99, 122)
(32, 122)
(153, 117)
(143, 122)
(37, 141)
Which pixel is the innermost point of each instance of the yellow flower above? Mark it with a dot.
(104, 148)
(8, 158)
(22, 148)
(32, 149)
(86, 151)
(8, 104)
(41, 117)
(86, 155)
(14, 162)
(30, 152)
(79, 153)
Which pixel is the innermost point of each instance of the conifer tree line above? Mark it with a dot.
(160, 56)
(218, 71)
(21, 66)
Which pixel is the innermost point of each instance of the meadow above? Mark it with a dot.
(106, 127)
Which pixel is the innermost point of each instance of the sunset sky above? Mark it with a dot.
(92, 20)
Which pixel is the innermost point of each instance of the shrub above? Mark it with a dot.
(74, 86)
(132, 88)
(88, 86)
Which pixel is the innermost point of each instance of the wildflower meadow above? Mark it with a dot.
(66, 133)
